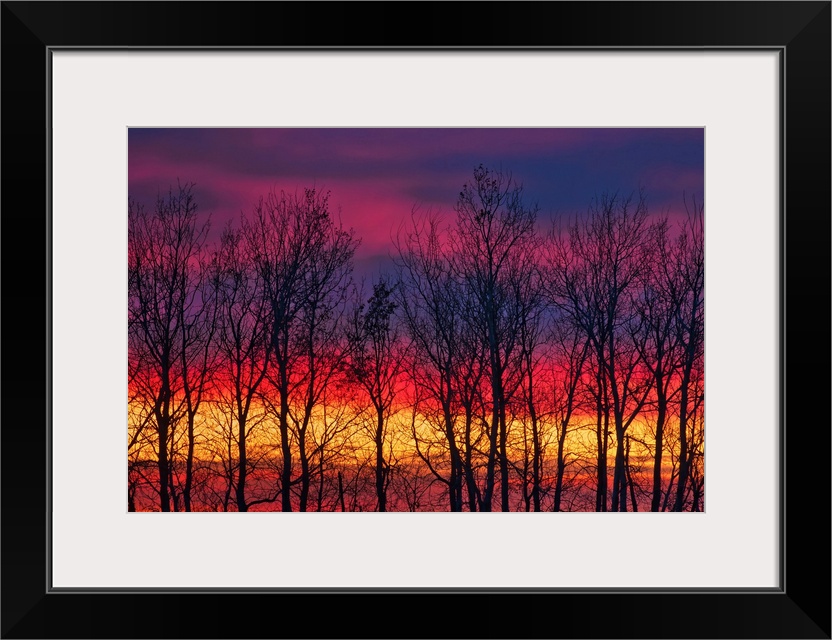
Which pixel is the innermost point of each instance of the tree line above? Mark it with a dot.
(498, 366)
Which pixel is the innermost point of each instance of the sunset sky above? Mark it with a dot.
(360, 421)
(376, 176)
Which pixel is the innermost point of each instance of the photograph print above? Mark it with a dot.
(415, 319)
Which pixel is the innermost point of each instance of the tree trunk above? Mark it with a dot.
(561, 468)
(164, 468)
(381, 492)
(341, 492)
(492, 456)
(630, 476)
(603, 430)
(681, 485)
(661, 412)
(470, 481)
(286, 472)
(504, 504)
(536, 454)
(690, 359)
(305, 479)
(189, 463)
(243, 471)
(497, 424)
(455, 483)
(618, 482)
(321, 479)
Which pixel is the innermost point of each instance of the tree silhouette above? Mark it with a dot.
(428, 295)
(375, 360)
(600, 263)
(165, 307)
(243, 350)
(492, 244)
(303, 257)
(532, 328)
(570, 349)
(655, 335)
(690, 258)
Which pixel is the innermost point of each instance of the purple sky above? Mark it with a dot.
(376, 176)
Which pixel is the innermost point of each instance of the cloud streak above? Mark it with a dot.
(376, 176)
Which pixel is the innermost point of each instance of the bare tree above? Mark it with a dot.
(321, 349)
(331, 439)
(599, 263)
(427, 295)
(375, 360)
(569, 354)
(164, 301)
(304, 258)
(689, 255)
(199, 325)
(470, 370)
(654, 333)
(243, 350)
(696, 446)
(493, 247)
(533, 325)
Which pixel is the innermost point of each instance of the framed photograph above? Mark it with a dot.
(708, 118)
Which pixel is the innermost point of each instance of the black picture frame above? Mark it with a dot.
(800, 608)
